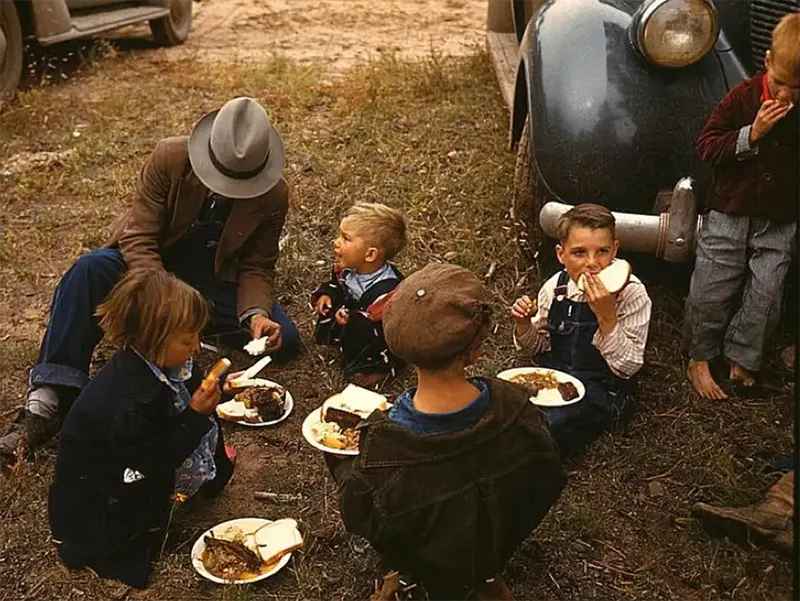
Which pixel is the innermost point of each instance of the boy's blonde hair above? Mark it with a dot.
(383, 225)
(146, 308)
(588, 215)
(785, 49)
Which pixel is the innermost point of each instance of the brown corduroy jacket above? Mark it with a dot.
(450, 509)
(168, 199)
(763, 185)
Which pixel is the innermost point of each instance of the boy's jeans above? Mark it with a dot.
(72, 332)
(738, 258)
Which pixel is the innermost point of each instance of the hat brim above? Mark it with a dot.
(231, 187)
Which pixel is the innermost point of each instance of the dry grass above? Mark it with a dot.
(429, 137)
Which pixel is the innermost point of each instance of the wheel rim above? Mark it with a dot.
(180, 13)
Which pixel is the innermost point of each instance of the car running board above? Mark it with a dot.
(100, 20)
(503, 50)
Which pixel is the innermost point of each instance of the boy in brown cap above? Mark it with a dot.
(748, 237)
(460, 470)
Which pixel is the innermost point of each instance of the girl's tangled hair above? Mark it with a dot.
(146, 307)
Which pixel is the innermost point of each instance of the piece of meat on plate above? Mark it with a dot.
(568, 391)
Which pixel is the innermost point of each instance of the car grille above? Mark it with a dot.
(763, 19)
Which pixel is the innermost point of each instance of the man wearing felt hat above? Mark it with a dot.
(208, 207)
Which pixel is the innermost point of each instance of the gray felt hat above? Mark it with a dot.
(236, 152)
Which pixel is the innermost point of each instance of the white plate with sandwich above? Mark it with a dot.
(261, 403)
(245, 550)
(548, 387)
(332, 427)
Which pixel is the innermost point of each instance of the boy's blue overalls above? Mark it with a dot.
(609, 398)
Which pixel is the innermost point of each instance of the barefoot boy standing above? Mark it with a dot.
(748, 236)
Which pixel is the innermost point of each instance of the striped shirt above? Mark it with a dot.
(623, 348)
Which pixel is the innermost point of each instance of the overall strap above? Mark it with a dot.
(561, 284)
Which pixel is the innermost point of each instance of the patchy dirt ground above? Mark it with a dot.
(336, 33)
(404, 132)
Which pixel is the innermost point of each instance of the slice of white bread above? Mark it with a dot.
(357, 400)
(234, 410)
(614, 277)
(278, 538)
(256, 346)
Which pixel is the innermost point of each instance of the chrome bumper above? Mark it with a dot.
(671, 236)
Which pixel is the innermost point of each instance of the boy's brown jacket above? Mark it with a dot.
(452, 508)
(765, 185)
(168, 199)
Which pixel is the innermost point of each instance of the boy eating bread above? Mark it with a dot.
(584, 329)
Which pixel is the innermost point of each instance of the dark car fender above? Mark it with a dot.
(606, 126)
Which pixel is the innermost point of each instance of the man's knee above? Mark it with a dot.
(290, 340)
(103, 264)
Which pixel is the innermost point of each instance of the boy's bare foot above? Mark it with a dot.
(740, 375)
(699, 376)
(788, 357)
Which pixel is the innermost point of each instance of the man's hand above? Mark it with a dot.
(602, 303)
(205, 399)
(521, 311)
(769, 114)
(260, 326)
(342, 316)
(323, 306)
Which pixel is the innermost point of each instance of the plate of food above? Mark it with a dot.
(261, 403)
(548, 387)
(245, 550)
(332, 427)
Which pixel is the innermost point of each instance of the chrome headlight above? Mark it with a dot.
(674, 33)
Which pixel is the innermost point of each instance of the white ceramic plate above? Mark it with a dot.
(314, 418)
(547, 398)
(287, 406)
(246, 525)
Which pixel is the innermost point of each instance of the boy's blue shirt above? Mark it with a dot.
(404, 414)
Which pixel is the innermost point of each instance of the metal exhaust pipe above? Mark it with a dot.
(638, 233)
(670, 236)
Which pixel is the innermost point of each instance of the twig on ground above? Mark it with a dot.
(667, 473)
(277, 497)
(10, 411)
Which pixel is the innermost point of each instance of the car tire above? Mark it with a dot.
(12, 58)
(530, 195)
(173, 29)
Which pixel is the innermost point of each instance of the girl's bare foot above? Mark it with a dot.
(740, 375)
(699, 376)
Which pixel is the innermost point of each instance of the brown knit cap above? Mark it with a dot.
(436, 314)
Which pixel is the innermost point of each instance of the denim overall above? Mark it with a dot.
(609, 398)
